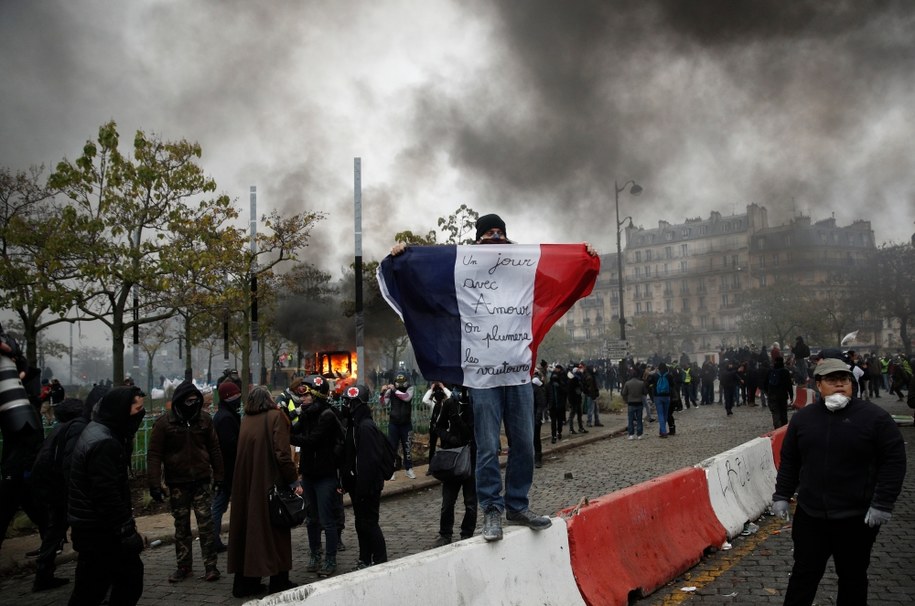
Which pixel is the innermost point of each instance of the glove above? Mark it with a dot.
(780, 508)
(876, 517)
(132, 544)
(157, 495)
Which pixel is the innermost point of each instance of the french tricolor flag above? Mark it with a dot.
(475, 315)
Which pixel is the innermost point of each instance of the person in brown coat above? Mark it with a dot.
(257, 548)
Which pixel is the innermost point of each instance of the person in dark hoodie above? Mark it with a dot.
(227, 422)
(51, 478)
(100, 513)
(317, 432)
(184, 445)
(362, 475)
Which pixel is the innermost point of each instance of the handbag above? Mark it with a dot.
(287, 509)
(451, 463)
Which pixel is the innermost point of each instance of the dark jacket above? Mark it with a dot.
(100, 510)
(184, 443)
(227, 423)
(51, 471)
(778, 384)
(633, 390)
(361, 470)
(454, 422)
(840, 463)
(318, 432)
(401, 405)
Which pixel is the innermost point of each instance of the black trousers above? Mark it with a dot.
(16, 492)
(372, 547)
(102, 568)
(574, 410)
(848, 541)
(53, 538)
(557, 418)
(450, 490)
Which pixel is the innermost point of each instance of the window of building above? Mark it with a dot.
(686, 306)
(703, 321)
(669, 235)
(763, 281)
(666, 270)
(638, 256)
(669, 305)
(683, 249)
(648, 255)
(734, 261)
(762, 261)
(638, 307)
(668, 289)
(684, 287)
(683, 266)
(703, 230)
(638, 291)
(724, 299)
(775, 260)
(668, 252)
(701, 302)
(647, 270)
(648, 307)
(638, 271)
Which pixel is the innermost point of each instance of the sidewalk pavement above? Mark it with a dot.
(160, 527)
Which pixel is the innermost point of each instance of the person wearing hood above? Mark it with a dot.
(846, 459)
(50, 482)
(227, 422)
(183, 447)
(99, 510)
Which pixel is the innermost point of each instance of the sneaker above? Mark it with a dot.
(748, 529)
(441, 541)
(598, 424)
(411, 474)
(181, 573)
(221, 547)
(639, 437)
(492, 525)
(631, 437)
(314, 562)
(211, 575)
(553, 440)
(360, 565)
(529, 519)
(329, 568)
(393, 475)
(340, 545)
(33, 554)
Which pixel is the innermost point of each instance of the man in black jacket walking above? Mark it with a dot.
(100, 513)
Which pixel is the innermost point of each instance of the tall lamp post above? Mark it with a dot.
(635, 190)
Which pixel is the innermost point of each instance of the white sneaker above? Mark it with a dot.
(410, 474)
(639, 438)
(631, 437)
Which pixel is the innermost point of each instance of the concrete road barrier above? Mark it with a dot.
(525, 567)
(777, 437)
(635, 540)
(741, 482)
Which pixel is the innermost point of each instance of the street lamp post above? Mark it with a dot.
(635, 190)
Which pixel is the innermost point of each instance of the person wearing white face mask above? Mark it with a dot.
(846, 459)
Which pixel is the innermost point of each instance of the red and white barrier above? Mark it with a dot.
(635, 540)
(741, 482)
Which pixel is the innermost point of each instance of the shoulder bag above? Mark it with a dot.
(287, 509)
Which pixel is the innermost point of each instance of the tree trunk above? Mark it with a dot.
(189, 363)
(117, 349)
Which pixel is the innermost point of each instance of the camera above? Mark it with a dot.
(16, 412)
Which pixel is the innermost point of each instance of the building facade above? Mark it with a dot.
(684, 283)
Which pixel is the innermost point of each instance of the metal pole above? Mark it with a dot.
(360, 319)
(619, 263)
(255, 334)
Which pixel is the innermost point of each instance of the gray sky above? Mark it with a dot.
(529, 109)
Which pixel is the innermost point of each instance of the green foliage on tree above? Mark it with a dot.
(34, 255)
(131, 220)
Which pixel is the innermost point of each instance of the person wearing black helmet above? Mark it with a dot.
(398, 399)
(362, 474)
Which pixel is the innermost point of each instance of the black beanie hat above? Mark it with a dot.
(487, 222)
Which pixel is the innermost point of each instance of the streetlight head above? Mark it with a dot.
(636, 189)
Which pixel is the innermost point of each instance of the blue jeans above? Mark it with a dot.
(592, 410)
(662, 404)
(634, 426)
(321, 495)
(220, 505)
(401, 434)
(515, 406)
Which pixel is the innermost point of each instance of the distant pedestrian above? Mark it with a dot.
(780, 392)
(454, 427)
(227, 423)
(633, 392)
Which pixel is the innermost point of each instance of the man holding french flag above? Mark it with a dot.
(475, 316)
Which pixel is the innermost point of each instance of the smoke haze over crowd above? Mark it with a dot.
(528, 109)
